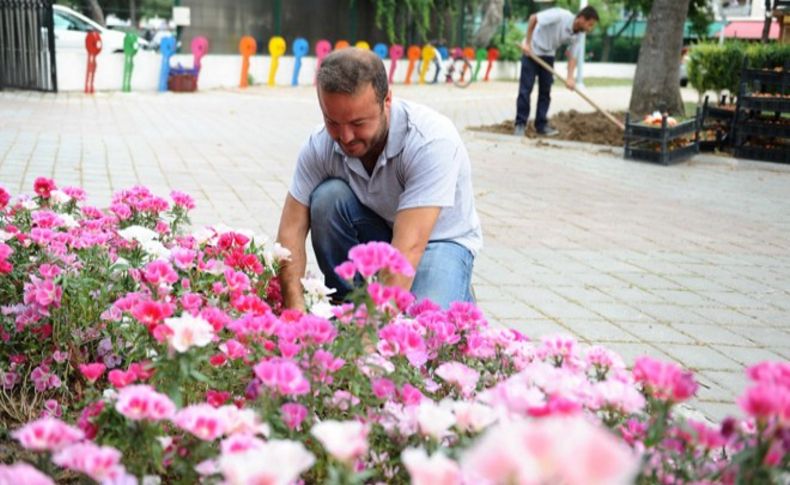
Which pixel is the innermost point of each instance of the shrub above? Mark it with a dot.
(714, 67)
(209, 379)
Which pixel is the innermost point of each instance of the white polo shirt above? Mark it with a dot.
(424, 164)
(554, 29)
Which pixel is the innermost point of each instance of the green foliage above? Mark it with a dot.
(425, 17)
(509, 50)
(713, 67)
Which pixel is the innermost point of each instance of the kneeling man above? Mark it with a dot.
(380, 169)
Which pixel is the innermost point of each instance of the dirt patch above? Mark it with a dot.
(573, 126)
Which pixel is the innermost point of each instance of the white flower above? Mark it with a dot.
(344, 440)
(69, 221)
(277, 462)
(28, 204)
(156, 249)
(276, 254)
(434, 420)
(473, 416)
(204, 235)
(315, 287)
(59, 197)
(5, 236)
(436, 470)
(322, 309)
(138, 233)
(110, 395)
(189, 331)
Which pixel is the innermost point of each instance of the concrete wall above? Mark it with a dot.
(224, 71)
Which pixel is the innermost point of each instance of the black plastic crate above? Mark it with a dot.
(778, 155)
(644, 152)
(658, 133)
(768, 77)
(768, 104)
(718, 113)
(721, 142)
(762, 127)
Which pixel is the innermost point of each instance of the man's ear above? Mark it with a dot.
(388, 99)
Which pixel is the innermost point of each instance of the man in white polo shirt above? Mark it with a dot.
(380, 169)
(546, 32)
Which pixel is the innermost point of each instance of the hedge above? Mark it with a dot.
(714, 67)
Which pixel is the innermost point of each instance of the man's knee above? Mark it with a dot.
(328, 197)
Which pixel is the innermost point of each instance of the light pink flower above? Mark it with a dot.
(202, 420)
(183, 258)
(189, 331)
(183, 200)
(240, 442)
(293, 414)
(159, 272)
(473, 416)
(277, 462)
(460, 375)
(23, 474)
(664, 380)
(436, 470)
(434, 420)
(372, 257)
(47, 434)
(619, 395)
(93, 371)
(344, 440)
(142, 402)
(383, 388)
(101, 463)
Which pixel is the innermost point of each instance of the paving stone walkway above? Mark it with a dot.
(689, 263)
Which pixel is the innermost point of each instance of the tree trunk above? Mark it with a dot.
(133, 13)
(656, 84)
(492, 21)
(96, 12)
(606, 50)
(768, 19)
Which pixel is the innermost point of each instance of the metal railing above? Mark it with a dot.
(27, 45)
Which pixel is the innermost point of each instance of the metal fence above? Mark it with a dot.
(27, 45)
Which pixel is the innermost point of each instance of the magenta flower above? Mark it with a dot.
(159, 272)
(372, 257)
(92, 372)
(293, 414)
(5, 197)
(383, 388)
(766, 401)
(183, 200)
(22, 473)
(665, 381)
(142, 402)
(47, 434)
(43, 187)
(282, 375)
(765, 372)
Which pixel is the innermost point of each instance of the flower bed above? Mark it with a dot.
(171, 356)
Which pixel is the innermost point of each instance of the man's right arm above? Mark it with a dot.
(526, 46)
(294, 224)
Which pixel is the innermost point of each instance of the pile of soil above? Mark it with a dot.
(573, 126)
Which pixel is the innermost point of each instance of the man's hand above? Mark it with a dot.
(410, 235)
(571, 83)
(294, 224)
(526, 49)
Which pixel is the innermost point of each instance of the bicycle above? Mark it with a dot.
(457, 70)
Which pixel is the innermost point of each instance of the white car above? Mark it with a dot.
(71, 28)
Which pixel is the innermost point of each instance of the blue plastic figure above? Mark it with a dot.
(167, 48)
(300, 49)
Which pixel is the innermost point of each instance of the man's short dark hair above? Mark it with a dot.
(589, 13)
(349, 70)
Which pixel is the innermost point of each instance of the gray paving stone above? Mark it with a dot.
(698, 357)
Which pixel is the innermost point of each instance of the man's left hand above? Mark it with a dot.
(571, 83)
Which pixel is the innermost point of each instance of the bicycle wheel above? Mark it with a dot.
(461, 73)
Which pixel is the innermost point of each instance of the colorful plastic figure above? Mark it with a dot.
(428, 53)
(362, 45)
(412, 54)
(341, 44)
(93, 46)
(396, 54)
(300, 49)
(129, 51)
(277, 48)
(247, 48)
(480, 56)
(167, 48)
(380, 50)
(493, 55)
(322, 49)
(199, 48)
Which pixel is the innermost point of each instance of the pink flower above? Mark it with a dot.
(182, 200)
(410, 395)
(344, 440)
(43, 187)
(372, 257)
(664, 380)
(47, 434)
(293, 414)
(22, 473)
(618, 395)
(471, 416)
(202, 420)
(282, 375)
(101, 463)
(92, 372)
(277, 462)
(43, 379)
(766, 401)
(383, 388)
(457, 374)
(346, 270)
(5, 197)
(436, 470)
(766, 372)
(120, 379)
(189, 331)
(183, 258)
(236, 281)
(159, 273)
(142, 402)
(434, 420)
(5, 252)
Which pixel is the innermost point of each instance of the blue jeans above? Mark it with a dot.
(339, 221)
(529, 70)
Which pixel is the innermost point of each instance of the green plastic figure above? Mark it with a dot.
(480, 55)
(129, 50)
